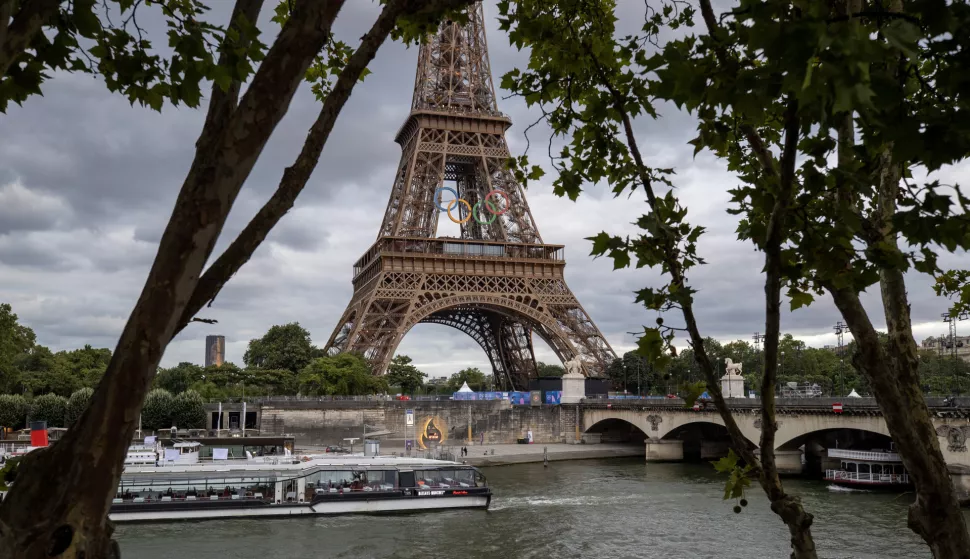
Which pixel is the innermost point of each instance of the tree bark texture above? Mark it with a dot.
(59, 505)
(16, 34)
(296, 176)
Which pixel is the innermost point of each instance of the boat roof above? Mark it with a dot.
(284, 465)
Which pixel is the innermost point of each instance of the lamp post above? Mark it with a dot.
(757, 347)
(951, 321)
(840, 332)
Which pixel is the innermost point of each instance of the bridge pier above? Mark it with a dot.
(788, 462)
(712, 450)
(664, 451)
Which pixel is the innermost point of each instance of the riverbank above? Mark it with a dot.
(507, 454)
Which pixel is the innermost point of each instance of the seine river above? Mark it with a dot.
(601, 509)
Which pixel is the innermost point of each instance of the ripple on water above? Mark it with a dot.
(583, 509)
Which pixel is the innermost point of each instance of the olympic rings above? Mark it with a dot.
(473, 211)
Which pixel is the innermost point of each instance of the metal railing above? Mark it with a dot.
(842, 475)
(864, 455)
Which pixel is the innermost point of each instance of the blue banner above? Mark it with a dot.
(553, 396)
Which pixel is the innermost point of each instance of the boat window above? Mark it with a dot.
(843, 464)
(863, 468)
(877, 468)
(149, 490)
(407, 479)
(480, 479)
(850, 467)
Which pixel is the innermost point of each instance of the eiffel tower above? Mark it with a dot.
(498, 283)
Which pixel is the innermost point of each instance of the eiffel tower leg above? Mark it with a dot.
(518, 353)
(484, 328)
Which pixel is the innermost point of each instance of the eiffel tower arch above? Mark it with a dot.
(498, 282)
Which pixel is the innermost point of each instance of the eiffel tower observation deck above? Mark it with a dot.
(498, 282)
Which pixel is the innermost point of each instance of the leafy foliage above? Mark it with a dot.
(344, 374)
(13, 411)
(177, 379)
(188, 410)
(49, 408)
(8, 473)
(282, 347)
(104, 39)
(738, 479)
(476, 379)
(157, 412)
(402, 373)
(547, 370)
(16, 342)
(76, 405)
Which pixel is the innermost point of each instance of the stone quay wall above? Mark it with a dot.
(317, 423)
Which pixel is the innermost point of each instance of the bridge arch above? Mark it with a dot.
(793, 432)
(618, 430)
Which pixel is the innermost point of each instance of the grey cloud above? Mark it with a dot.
(74, 272)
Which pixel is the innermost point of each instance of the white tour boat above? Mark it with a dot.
(288, 486)
(861, 469)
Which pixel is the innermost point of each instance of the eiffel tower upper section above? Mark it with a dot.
(455, 133)
(498, 283)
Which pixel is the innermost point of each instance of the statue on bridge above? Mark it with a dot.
(733, 369)
(732, 384)
(574, 365)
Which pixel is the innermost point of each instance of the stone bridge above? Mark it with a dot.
(671, 431)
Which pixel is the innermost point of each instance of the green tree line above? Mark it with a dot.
(940, 374)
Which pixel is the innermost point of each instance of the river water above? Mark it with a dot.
(600, 509)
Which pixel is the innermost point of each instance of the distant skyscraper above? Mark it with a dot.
(215, 350)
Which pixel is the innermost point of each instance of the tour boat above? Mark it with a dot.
(876, 469)
(289, 486)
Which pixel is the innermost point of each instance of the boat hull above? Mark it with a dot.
(870, 485)
(322, 506)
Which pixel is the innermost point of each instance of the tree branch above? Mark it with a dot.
(757, 144)
(786, 506)
(63, 499)
(295, 177)
(223, 102)
(26, 24)
(672, 260)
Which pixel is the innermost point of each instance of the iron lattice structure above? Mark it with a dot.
(498, 282)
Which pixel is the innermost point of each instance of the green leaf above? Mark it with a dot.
(799, 299)
(692, 392)
(726, 463)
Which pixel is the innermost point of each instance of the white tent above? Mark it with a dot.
(464, 388)
(853, 394)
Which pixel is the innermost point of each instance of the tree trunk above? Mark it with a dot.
(893, 372)
(935, 515)
(59, 505)
(16, 35)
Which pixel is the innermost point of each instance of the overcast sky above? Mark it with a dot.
(87, 184)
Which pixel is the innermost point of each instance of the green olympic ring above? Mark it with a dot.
(472, 211)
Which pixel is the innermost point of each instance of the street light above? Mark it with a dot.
(840, 332)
